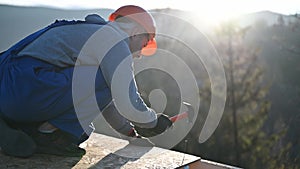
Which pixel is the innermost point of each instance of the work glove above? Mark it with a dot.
(163, 123)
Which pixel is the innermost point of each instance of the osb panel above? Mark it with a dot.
(105, 152)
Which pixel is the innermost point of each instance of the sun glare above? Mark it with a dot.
(211, 11)
(217, 11)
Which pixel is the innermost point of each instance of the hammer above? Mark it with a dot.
(188, 114)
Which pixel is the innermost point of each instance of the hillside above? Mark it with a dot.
(17, 22)
(270, 18)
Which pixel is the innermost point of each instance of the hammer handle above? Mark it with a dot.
(179, 117)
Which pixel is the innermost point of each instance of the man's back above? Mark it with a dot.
(60, 45)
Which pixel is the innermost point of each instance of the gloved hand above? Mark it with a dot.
(163, 123)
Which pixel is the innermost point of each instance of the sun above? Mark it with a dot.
(216, 13)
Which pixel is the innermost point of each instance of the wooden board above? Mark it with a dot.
(105, 152)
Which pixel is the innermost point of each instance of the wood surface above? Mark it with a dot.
(105, 152)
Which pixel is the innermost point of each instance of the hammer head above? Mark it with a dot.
(190, 111)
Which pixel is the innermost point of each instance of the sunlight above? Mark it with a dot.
(214, 12)
(216, 17)
(210, 11)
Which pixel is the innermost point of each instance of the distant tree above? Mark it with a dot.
(280, 20)
(240, 139)
(288, 83)
(260, 24)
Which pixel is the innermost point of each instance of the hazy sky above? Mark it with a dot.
(215, 9)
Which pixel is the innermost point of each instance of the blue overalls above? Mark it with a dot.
(34, 90)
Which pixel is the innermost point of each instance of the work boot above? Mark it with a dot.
(15, 142)
(58, 143)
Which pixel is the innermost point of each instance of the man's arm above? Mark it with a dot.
(117, 69)
(123, 126)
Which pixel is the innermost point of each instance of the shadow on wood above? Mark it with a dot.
(120, 157)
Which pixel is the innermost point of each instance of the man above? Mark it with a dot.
(41, 110)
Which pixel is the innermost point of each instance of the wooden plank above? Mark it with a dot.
(105, 152)
(118, 153)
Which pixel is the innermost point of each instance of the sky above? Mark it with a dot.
(215, 9)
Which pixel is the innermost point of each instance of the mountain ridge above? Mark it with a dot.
(38, 17)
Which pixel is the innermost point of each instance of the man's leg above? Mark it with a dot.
(37, 92)
(15, 142)
(75, 125)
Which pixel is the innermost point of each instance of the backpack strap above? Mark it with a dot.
(2, 53)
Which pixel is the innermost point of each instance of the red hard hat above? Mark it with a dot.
(142, 17)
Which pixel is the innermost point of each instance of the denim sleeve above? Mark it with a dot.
(117, 69)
